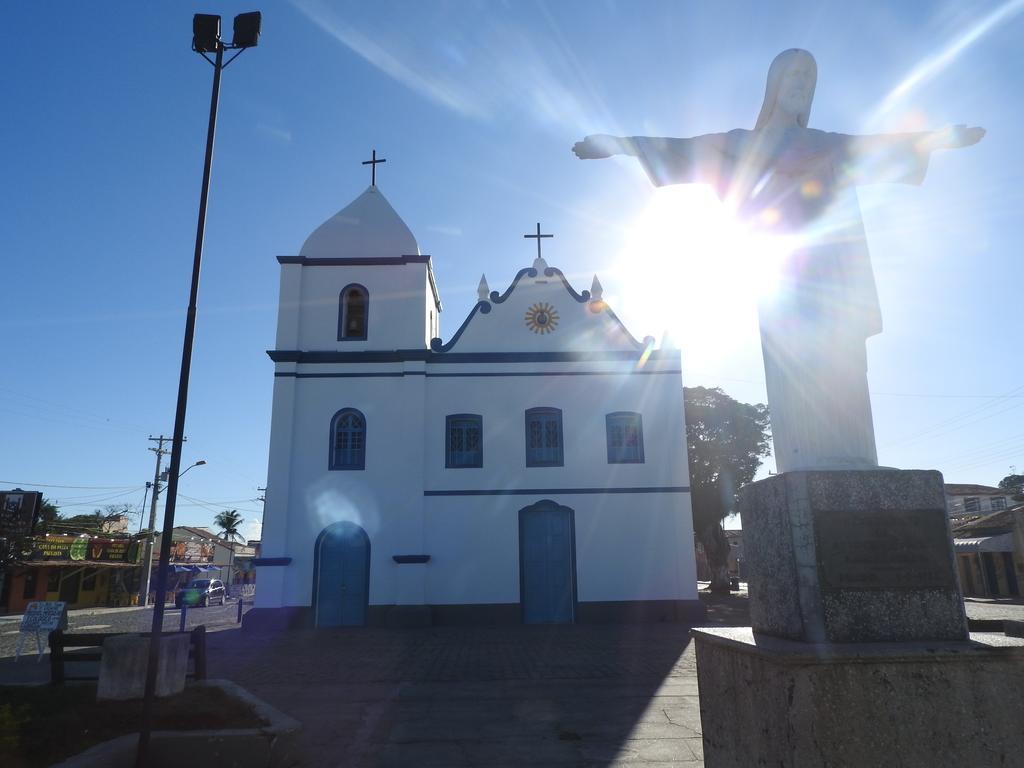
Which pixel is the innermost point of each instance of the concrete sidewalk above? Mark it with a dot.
(16, 617)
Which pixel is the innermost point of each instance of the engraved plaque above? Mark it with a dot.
(899, 550)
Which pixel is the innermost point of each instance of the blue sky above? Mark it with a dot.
(475, 106)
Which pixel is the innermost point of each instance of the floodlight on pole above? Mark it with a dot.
(247, 30)
(205, 33)
(205, 40)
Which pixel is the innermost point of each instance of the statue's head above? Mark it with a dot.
(790, 89)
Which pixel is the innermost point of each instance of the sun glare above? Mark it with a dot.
(692, 272)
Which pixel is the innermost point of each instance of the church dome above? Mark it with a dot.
(368, 227)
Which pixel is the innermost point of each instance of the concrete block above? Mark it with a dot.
(770, 701)
(124, 661)
(851, 556)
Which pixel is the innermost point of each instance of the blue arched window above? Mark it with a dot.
(353, 312)
(464, 441)
(625, 438)
(348, 440)
(544, 437)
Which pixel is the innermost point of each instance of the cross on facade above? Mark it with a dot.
(373, 167)
(537, 237)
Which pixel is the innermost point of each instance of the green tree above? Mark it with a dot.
(230, 523)
(726, 440)
(90, 522)
(48, 513)
(1015, 485)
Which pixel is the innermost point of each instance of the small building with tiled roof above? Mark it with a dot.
(990, 553)
(971, 499)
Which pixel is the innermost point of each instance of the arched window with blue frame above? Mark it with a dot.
(353, 312)
(348, 440)
(544, 438)
(464, 441)
(625, 438)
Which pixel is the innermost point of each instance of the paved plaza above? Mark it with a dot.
(482, 696)
(585, 695)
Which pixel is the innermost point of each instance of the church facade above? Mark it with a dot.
(531, 468)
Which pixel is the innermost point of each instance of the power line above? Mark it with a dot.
(928, 395)
(94, 502)
(952, 422)
(215, 507)
(69, 409)
(996, 446)
(77, 487)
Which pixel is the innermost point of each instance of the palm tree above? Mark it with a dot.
(229, 522)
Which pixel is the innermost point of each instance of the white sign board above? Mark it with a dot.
(42, 618)
(45, 616)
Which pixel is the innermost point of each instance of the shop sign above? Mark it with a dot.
(18, 510)
(192, 552)
(83, 548)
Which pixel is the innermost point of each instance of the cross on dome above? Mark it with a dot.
(373, 167)
(537, 237)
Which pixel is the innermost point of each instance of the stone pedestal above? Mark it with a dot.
(859, 653)
(123, 666)
(856, 556)
(769, 701)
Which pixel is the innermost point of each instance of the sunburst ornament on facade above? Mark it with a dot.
(541, 318)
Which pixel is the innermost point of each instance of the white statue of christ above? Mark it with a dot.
(798, 183)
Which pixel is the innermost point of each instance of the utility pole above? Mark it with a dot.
(147, 555)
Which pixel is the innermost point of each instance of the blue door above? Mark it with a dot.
(547, 564)
(342, 578)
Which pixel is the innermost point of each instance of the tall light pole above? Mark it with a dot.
(205, 40)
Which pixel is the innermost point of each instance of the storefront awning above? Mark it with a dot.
(1001, 543)
(189, 567)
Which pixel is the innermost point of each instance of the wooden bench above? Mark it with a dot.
(90, 648)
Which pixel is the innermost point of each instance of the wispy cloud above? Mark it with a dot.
(272, 131)
(443, 230)
(933, 65)
(434, 88)
(481, 65)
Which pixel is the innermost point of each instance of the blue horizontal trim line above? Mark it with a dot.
(424, 355)
(370, 375)
(487, 374)
(566, 491)
(265, 561)
(374, 261)
(552, 373)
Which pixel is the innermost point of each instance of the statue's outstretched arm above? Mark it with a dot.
(598, 146)
(707, 159)
(951, 137)
(902, 157)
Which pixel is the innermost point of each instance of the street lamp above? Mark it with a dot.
(199, 463)
(205, 40)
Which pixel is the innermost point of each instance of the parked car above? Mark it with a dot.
(201, 592)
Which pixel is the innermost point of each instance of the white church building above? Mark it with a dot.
(531, 468)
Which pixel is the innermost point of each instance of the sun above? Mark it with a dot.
(694, 273)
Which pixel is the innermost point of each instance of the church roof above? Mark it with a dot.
(541, 312)
(368, 227)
